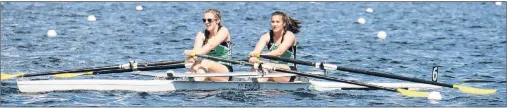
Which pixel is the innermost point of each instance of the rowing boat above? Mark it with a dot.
(174, 82)
(33, 86)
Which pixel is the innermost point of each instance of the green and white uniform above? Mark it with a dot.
(223, 50)
(290, 53)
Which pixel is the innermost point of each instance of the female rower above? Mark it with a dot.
(213, 41)
(280, 41)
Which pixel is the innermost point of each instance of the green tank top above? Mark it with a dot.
(223, 50)
(290, 53)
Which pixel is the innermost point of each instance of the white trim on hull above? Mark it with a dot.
(33, 86)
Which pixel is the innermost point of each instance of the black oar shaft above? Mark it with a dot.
(159, 63)
(147, 68)
(289, 60)
(101, 68)
(72, 71)
(337, 79)
(162, 67)
(302, 74)
(360, 71)
(366, 72)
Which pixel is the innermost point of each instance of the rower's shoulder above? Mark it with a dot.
(266, 35)
(224, 28)
(200, 34)
(289, 33)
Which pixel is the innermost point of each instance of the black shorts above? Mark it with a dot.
(293, 68)
(229, 67)
(230, 70)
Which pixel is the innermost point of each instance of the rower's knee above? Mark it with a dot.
(282, 79)
(199, 67)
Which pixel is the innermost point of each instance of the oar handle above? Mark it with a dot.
(288, 60)
(225, 60)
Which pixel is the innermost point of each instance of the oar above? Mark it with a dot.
(145, 68)
(409, 93)
(462, 88)
(124, 66)
(65, 73)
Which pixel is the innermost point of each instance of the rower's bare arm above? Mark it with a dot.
(284, 46)
(199, 40)
(214, 42)
(261, 43)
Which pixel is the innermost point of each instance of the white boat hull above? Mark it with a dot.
(34, 86)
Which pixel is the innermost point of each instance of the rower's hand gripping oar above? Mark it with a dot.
(409, 93)
(65, 73)
(462, 88)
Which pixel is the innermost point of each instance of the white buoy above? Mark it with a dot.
(139, 8)
(51, 33)
(381, 35)
(435, 96)
(92, 18)
(369, 10)
(361, 21)
(498, 3)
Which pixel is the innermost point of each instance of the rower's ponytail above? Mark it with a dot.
(292, 25)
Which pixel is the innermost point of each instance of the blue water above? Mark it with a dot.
(466, 38)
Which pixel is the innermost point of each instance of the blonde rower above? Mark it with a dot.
(213, 41)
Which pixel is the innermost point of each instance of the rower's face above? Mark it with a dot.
(210, 21)
(277, 23)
